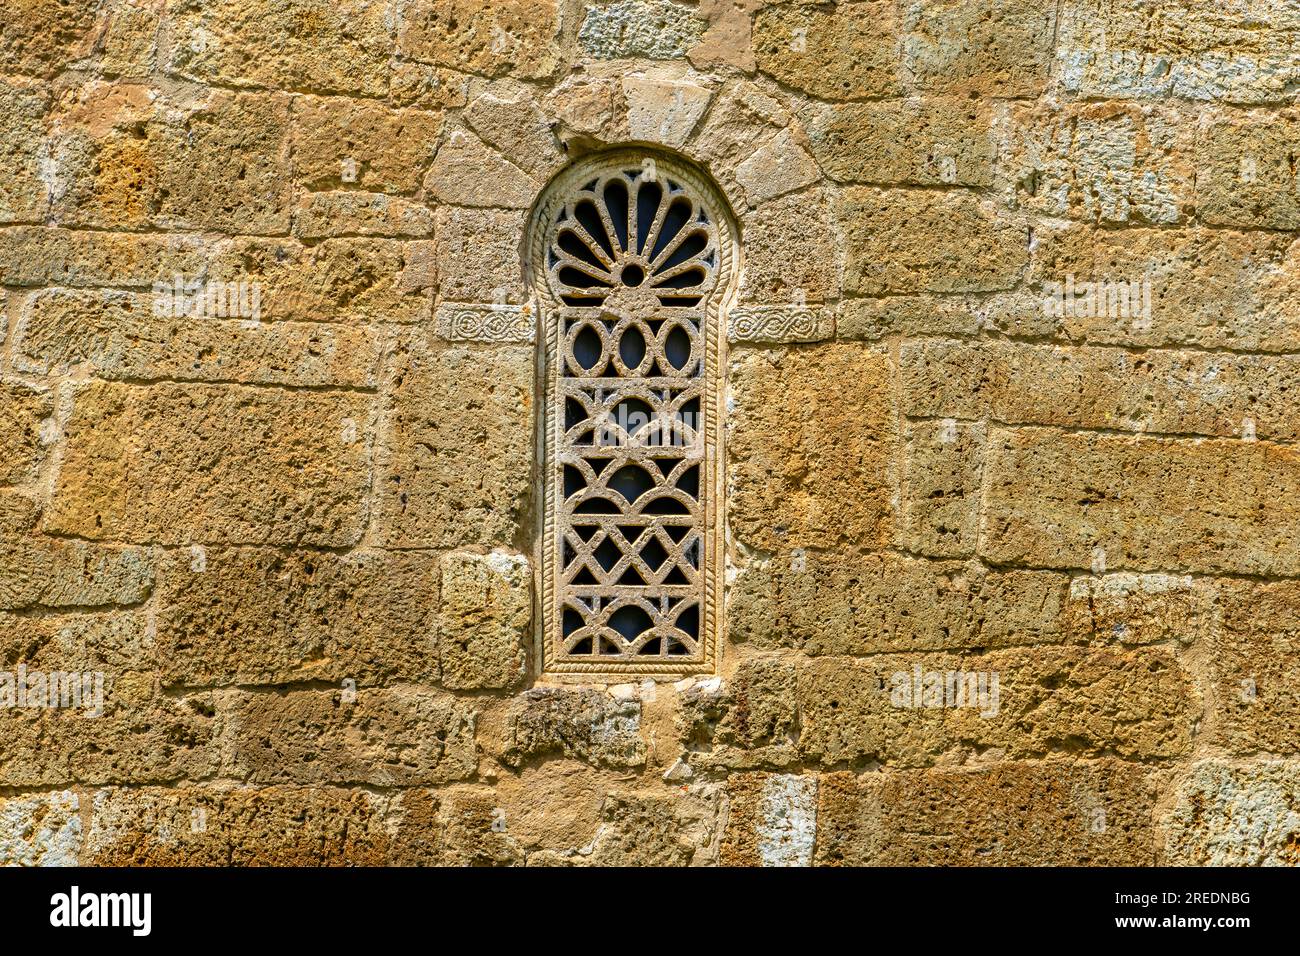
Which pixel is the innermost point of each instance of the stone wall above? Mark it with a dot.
(296, 532)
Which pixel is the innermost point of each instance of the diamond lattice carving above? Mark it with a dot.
(632, 258)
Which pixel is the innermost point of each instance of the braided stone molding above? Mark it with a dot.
(461, 322)
(780, 323)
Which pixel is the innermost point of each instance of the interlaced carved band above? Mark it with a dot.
(632, 257)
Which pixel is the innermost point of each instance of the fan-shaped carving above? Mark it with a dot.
(624, 239)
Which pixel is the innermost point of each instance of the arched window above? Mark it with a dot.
(633, 260)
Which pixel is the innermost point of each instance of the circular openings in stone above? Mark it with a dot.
(622, 229)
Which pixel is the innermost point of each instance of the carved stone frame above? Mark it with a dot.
(716, 307)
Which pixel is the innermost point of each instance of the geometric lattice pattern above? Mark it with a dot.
(633, 260)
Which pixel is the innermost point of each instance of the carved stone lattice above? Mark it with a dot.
(632, 259)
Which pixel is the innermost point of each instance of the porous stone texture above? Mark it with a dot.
(1010, 550)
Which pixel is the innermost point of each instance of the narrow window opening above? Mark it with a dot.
(633, 268)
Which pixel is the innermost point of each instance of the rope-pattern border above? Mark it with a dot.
(552, 198)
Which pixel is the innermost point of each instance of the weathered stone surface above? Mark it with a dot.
(909, 315)
(128, 43)
(1135, 609)
(792, 251)
(138, 738)
(41, 37)
(584, 724)
(643, 830)
(656, 29)
(478, 255)
(939, 510)
(750, 721)
(587, 106)
(848, 819)
(980, 47)
(322, 45)
(554, 806)
(846, 717)
(1237, 54)
(1193, 393)
(19, 511)
(830, 603)
(914, 240)
(22, 410)
(42, 573)
(517, 127)
(1057, 499)
(1060, 812)
(400, 736)
(516, 37)
(246, 826)
(728, 39)
(43, 830)
(1213, 288)
(663, 111)
(771, 820)
(812, 434)
(241, 465)
(778, 167)
(337, 280)
(460, 422)
(744, 117)
(848, 53)
(334, 214)
(466, 172)
(1136, 703)
(1105, 162)
(361, 144)
(214, 162)
(89, 639)
(122, 336)
(924, 142)
(472, 831)
(1225, 814)
(23, 195)
(1093, 702)
(484, 618)
(1255, 688)
(37, 256)
(427, 87)
(263, 616)
(1245, 171)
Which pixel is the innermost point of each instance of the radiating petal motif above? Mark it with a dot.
(622, 229)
